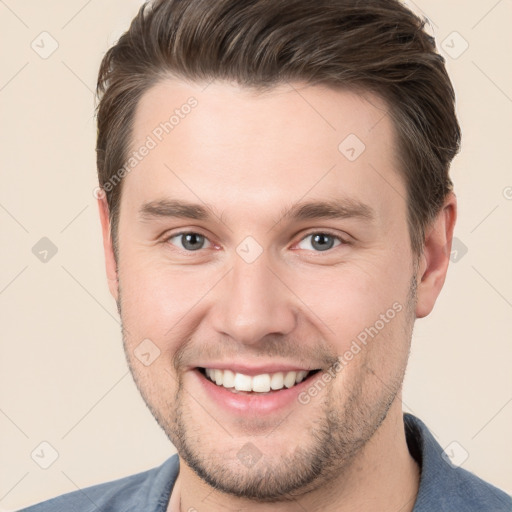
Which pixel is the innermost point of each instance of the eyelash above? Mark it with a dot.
(322, 232)
(341, 240)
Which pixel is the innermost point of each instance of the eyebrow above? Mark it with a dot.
(174, 208)
(329, 209)
(310, 210)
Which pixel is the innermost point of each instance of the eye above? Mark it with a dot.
(320, 241)
(188, 241)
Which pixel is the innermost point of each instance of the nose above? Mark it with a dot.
(253, 302)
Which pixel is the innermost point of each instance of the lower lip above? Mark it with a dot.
(254, 402)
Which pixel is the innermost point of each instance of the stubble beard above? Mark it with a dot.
(337, 435)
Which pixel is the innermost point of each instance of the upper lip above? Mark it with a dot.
(255, 370)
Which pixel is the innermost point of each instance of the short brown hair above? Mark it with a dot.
(377, 46)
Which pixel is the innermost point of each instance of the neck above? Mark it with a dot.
(383, 477)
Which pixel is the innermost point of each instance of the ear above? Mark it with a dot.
(436, 256)
(110, 262)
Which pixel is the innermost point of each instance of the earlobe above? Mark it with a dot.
(110, 263)
(436, 257)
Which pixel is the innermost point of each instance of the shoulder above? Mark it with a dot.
(476, 494)
(148, 490)
(444, 487)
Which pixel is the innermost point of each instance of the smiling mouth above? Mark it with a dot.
(257, 384)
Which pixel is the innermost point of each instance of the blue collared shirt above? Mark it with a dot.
(443, 487)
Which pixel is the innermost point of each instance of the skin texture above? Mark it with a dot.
(251, 156)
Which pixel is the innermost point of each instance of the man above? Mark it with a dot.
(276, 213)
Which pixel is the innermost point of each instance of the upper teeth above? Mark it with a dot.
(259, 383)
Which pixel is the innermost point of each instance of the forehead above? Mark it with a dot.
(244, 151)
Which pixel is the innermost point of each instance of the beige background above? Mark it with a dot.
(63, 377)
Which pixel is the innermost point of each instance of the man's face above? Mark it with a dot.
(255, 289)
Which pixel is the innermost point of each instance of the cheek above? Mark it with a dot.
(345, 301)
(158, 300)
